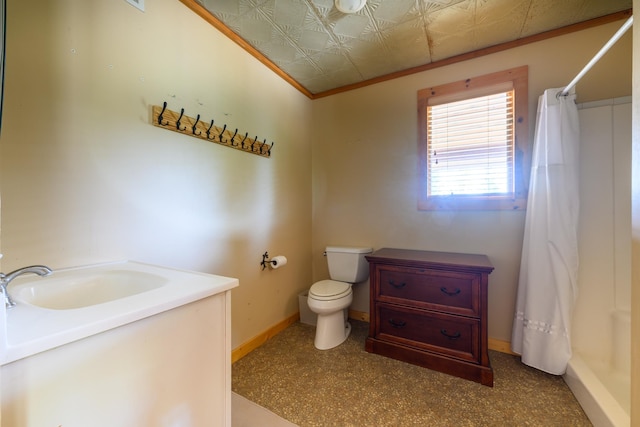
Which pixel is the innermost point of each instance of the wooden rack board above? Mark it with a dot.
(178, 122)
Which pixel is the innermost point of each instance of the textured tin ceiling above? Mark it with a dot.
(323, 49)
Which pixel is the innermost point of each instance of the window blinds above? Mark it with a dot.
(470, 146)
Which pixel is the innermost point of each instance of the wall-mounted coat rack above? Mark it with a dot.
(178, 122)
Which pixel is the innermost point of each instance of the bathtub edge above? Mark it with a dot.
(596, 401)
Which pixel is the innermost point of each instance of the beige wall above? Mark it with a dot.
(365, 167)
(85, 177)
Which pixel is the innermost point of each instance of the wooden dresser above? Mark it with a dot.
(430, 309)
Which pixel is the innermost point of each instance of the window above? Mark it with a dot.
(473, 143)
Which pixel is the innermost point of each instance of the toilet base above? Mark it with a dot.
(331, 330)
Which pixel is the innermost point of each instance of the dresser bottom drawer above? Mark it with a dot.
(445, 334)
(482, 374)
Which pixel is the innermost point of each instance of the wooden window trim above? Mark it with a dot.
(519, 79)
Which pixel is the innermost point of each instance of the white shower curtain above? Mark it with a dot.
(547, 288)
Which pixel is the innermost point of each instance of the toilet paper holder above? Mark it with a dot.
(265, 260)
(274, 263)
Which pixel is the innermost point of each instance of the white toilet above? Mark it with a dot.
(330, 299)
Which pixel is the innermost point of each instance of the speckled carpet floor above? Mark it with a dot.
(346, 386)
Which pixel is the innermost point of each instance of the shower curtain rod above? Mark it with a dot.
(599, 55)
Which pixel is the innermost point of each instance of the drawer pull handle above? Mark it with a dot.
(397, 324)
(450, 336)
(451, 294)
(397, 285)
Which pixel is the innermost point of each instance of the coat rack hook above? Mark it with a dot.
(269, 150)
(263, 144)
(209, 130)
(193, 129)
(220, 136)
(179, 118)
(243, 139)
(254, 142)
(234, 137)
(160, 116)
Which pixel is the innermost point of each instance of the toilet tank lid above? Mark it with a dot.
(350, 250)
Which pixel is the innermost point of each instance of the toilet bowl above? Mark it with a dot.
(330, 299)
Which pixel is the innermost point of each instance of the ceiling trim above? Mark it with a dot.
(210, 18)
(482, 52)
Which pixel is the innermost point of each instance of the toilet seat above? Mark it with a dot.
(327, 290)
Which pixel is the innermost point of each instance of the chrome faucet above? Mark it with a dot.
(5, 279)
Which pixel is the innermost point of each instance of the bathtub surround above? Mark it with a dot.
(601, 372)
(603, 395)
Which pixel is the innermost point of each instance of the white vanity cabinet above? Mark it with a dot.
(172, 369)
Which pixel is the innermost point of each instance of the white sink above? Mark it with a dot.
(64, 293)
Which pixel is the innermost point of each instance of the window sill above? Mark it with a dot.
(470, 203)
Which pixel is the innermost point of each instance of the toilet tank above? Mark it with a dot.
(347, 264)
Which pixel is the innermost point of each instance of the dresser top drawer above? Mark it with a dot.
(457, 293)
(438, 260)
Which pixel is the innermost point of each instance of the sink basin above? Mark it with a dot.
(64, 293)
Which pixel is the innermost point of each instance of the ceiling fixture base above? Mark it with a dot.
(350, 6)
